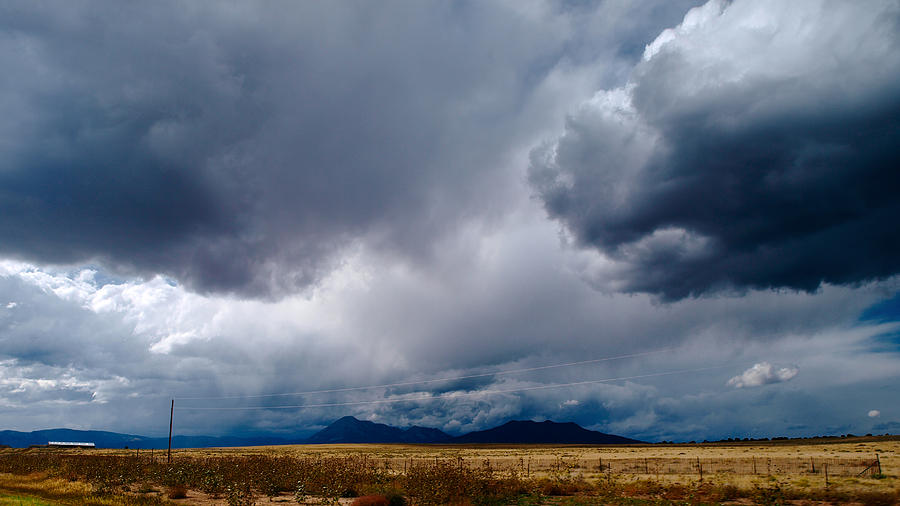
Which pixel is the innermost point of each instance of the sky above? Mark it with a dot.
(687, 208)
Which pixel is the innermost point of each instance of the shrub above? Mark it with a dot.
(561, 487)
(395, 499)
(176, 492)
(371, 500)
(443, 482)
(240, 494)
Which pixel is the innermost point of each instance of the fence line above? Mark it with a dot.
(836, 466)
(605, 465)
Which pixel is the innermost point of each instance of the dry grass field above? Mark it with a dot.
(738, 473)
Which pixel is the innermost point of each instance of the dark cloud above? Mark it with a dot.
(755, 146)
(239, 147)
(377, 151)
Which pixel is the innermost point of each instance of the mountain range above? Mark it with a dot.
(345, 430)
(546, 432)
(351, 430)
(104, 439)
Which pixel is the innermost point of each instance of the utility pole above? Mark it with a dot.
(171, 416)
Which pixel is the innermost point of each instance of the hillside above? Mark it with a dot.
(351, 430)
(546, 432)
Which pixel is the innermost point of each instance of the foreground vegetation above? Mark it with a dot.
(22, 500)
(373, 475)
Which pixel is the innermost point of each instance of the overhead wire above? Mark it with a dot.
(453, 395)
(428, 381)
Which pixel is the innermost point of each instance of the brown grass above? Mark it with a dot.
(430, 474)
(64, 491)
(39, 484)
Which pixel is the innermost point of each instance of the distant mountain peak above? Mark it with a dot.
(349, 429)
(546, 432)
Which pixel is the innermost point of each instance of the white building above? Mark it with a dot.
(69, 444)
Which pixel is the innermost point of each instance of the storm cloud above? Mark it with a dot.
(242, 148)
(229, 203)
(756, 145)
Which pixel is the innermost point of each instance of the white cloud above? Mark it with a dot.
(693, 21)
(11, 305)
(763, 373)
(376, 321)
(874, 413)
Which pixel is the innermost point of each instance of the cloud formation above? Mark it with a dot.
(243, 148)
(109, 354)
(356, 176)
(763, 373)
(754, 146)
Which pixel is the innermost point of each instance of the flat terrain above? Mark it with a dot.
(717, 472)
(547, 459)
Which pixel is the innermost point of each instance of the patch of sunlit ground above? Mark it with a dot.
(545, 458)
(23, 500)
(39, 489)
(584, 462)
(39, 484)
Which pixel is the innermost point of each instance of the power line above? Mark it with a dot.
(422, 382)
(456, 395)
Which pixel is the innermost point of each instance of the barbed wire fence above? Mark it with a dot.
(655, 466)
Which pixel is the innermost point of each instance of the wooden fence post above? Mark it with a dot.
(826, 475)
(878, 461)
(171, 416)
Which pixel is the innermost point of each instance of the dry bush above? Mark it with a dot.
(240, 494)
(716, 492)
(445, 482)
(644, 488)
(176, 492)
(371, 500)
(389, 490)
(562, 486)
(676, 492)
